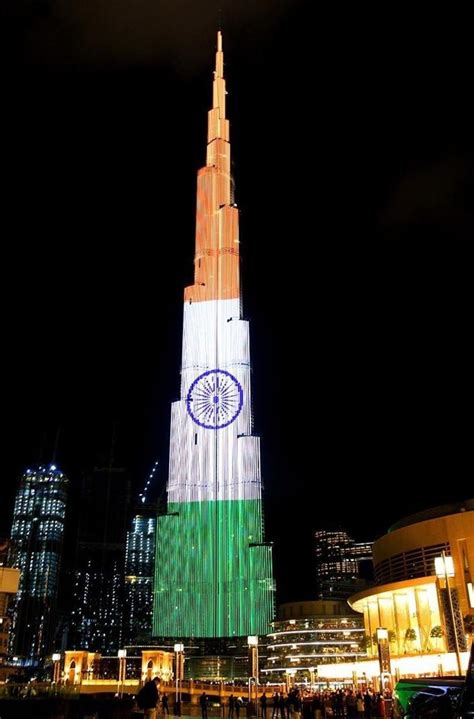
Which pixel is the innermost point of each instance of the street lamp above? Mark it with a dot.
(122, 655)
(179, 672)
(56, 668)
(444, 568)
(384, 656)
(252, 642)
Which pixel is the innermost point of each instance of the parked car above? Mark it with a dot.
(440, 697)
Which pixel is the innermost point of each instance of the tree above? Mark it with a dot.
(469, 623)
(410, 635)
(367, 642)
(436, 633)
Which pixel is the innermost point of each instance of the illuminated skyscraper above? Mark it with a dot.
(213, 570)
(139, 564)
(36, 549)
(342, 565)
(99, 592)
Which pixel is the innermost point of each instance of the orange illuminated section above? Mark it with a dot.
(216, 263)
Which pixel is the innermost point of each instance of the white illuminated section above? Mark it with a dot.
(470, 594)
(208, 464)
(444, 566)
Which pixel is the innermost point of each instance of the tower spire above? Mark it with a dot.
(218, 126)
(219, 56)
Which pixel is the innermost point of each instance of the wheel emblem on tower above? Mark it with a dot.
(215, 399)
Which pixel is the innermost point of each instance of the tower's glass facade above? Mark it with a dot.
(139, 564)
(97, 615)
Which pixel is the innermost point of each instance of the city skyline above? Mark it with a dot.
(387, 384)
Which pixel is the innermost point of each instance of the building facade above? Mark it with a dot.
(213, 575)
(37, 536)
(307, 635)
(9, 583)
(139, 566)
(424, 612)
(340, 563)
(97, 615)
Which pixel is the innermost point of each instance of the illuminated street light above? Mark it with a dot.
(122, 655)
(444, 568)
(56, 668)
(384, 656)
(179, 675)
(252, 642)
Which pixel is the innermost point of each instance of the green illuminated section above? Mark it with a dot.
(209, 579)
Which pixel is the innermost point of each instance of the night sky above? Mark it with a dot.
(352, 148)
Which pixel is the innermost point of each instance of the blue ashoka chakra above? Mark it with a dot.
(215, 399)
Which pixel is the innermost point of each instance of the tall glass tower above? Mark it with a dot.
(213, 570)
(36, 549)
(99, 584)
(139, 563)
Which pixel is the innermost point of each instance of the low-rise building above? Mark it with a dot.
(309, 634)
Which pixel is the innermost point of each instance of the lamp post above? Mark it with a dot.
(252, 642)
(56, 668)
(179, 667)
(122, 655)
(384, 656)
(444, 568)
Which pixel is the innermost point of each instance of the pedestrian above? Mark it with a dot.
(263, 705)
(275, 705)
(164, 704)
(204, 702)
(147, 698)
(231, 706)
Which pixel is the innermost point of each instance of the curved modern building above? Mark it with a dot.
(424, 571)
(308, 634)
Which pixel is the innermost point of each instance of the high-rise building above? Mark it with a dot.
(342, 565)
(36, 550)
(99, 593)
(139, 565)
(213, 570)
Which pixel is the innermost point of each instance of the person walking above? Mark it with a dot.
(204, 702)
(164, 704)
(231, 706)
(147, 698)
(263, 705)
(275, 705)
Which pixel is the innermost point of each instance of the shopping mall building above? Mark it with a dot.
(423, 597)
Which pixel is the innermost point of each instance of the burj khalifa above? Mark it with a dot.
(213, 568)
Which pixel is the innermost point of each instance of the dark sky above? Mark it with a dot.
(354, 173)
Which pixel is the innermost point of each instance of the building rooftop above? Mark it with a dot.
(466, 505)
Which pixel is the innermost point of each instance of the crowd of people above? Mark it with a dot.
(320, 705)
(337, 704)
